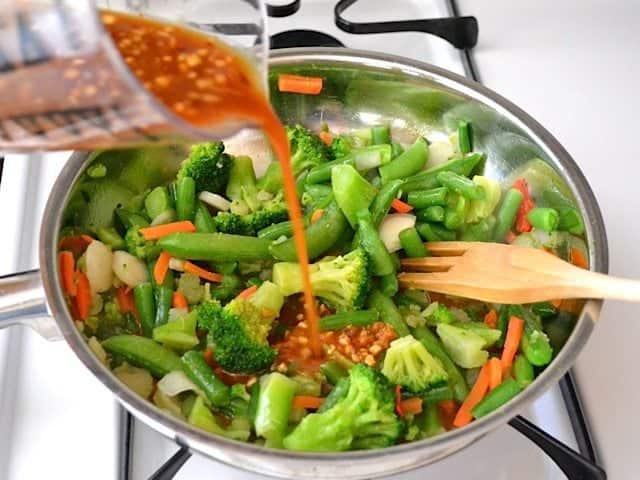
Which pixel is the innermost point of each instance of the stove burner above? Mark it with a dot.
(303, 38)
(283, 10)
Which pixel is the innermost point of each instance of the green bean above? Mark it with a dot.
(219, 247)
(570, 220)
(337, 393)
(333, 371)
(168, 278)
(361, 318)
(408, 163)
(497, 398)
(322, 173)
(411, 296)
(145, 303)
(380, 134)
(157, 202)
(277, 230)
(428, 198)
(382, 201)
(145, 353)
(388, 312)
(435, 348)
(481, 231)
(507, 213)
(252, 409)
(186, 198)
(559, 329)
(455, 212)
(434, 213)
(200, 373)
(438, 394)
(203, 220)
(164, 298)
(546, 219)
(352, 192)
(381, 262)
(432, 232)
(110, 237)
(428, 179)
(172, 189)
(430, 422)
(412, 244)
(544, 309)
(503, 323)
(523, 371)
(465, 136)
(389, 284)
(461, 185)
(274, 407)
(301, 182)
(321, 236)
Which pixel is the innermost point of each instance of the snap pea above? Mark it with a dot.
(380, 134)
(435, 348)
(220, 247)
(145, 353)
(322, 173)
(274, 407)
(186, 198)
(428, 179)
(131, 219)
(411, 161)
(396, 149)
(277, 230)
(110, 237)
(438, 394)
(523, 371)
(203, 220)
(200, 373)
(381, 262)
(157, 202)
(497, 398)
(542, 218)
(389, 284)
(382, 201)
(455, 212)
(412, 244)
(461, 185)
(333, 371)
(361, 318)
(435, 213)
(543, 309)
(465, 137)
(507, 213)
(321, 236)
(432, 232)
(352, 192)
(534, 344)
(163, 298)
(428, 198)
(388, 312)
(570, 220)
(145, 303)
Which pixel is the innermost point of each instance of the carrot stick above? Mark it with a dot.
(577, 258)
(179, 300)
(400, 207)
(83, 298)
(67, 271)
(126, 303)
(326, 137)
(201, 272)
(511, 342)
(495, 372)
(316, 215)
(247, 292)
(477, 393)
(447, 410)
(300, 84)
(159, 231)
(75, 243)
(399, 410)
(161, 267)
(307, 401)
(411, 406)
(556, 303)
(491, 319)
(522, 223)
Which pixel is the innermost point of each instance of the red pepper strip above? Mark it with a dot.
(399, 410)
(522, 223)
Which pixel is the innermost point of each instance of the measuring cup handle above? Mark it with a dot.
(22, 302)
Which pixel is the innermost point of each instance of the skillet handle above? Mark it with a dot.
(574, 465)
(22, 302)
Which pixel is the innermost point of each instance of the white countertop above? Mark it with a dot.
(574, 66)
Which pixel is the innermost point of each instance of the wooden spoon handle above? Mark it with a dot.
(598, 285)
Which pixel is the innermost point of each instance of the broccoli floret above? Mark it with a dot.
(438, 313)
(139, 247)
(365, 418)
(343, 282)
(341, 146)
(209, 166)
(239, 330)
(465, 347)
(230, 286)
(113, 322)
(408, 363)
(272, 211)
(307, 149)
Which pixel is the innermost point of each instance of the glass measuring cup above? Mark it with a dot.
(65, 86)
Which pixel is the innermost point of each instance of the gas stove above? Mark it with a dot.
(74, 431)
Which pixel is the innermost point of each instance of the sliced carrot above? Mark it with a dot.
(556, 303)
(447, 410)
(400, 206)
(300, 84)
(491, 319)
(83, 298)
(247, 292)
(126, 302)
(399, 410)
(75, 243)
(510, 237)
(161, 267)
(179, 300)
(477, 393)
(326, 137)
(208, 357)
(67, 265)
(495, 372)
(571, 305)
(307, 401)
(411, 406)
(511, 342)
(201, 272)
(316, 215)
(522, 223)
(159, 231)
(578, 259)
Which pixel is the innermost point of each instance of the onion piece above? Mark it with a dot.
(215, 200)
(131, 270)
(174, 383)
(99, 269)
(176, 264)
(391, 227)
(177, 313)
(439, 153)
